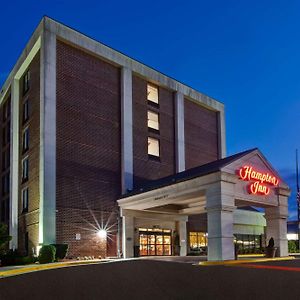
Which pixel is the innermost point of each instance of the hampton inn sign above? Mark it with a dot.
(259, 180)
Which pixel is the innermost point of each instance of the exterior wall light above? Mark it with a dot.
(102, 233)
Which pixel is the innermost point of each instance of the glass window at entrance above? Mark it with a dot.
(197, 240)
(155, 242)
(248, 243)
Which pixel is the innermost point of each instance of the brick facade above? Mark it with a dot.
(201, 134)
(88, 161)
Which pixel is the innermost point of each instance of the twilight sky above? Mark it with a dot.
(245, 54)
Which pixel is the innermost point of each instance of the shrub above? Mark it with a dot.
(47, 254)
(61, 250)
(293, 246)
(4, 238)
(12, 258)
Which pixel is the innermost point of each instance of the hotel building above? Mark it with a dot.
(112, 157)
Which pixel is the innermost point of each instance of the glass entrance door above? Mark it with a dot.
(155, 242)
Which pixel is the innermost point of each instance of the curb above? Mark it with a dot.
(36, 268)
(244, 261)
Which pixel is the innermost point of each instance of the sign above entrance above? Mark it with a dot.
(262, 181)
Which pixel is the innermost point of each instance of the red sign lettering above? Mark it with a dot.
(261, 180)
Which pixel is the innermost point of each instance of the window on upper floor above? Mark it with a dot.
(25, 169)
(25, 199)
(25, 142)
(25, 110)
(5, 184)
(152, 94)
(6, 110)
(153, 120)
(153, 147)
(5, 159)
(26, 82)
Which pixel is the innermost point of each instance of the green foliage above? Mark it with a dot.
(47, 254)
(293, 246)
(12, 258)
(61, 250)
(4, 238)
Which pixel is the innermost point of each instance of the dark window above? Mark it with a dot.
(5, 159)
(25, 169)
(25, 140)
(26, 244)
(5, 184)
(6, 110)
(26, 82)
(26, 111)
(3, 211)
(25, 200)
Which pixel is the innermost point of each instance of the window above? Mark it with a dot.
(26, 82)
(153, 120)
(152, 94)
(6, 110)
(25, 169)
(3, 211)
(197, 240)
(25, 199)
(26, 139)
(26, 111)
(5, 159)
(153, 147)
(5, 184)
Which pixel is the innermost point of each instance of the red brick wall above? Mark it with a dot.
(88, 149)
(145, 168)
(201, 135)
(29, 222)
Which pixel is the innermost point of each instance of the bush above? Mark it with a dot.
(4, 238)
(293, 246)
(47, 254)
(12, 258)
(61, 250)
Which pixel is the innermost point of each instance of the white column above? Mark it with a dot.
(128, 236)
(220, 208)
(182, 237)
(127, 139)
(276, 218)
(47, 219)
(14, 192)
(179, 130)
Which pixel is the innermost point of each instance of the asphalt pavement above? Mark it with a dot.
(147, 279)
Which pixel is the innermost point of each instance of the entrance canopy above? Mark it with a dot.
(217, 188)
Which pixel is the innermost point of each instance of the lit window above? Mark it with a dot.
(26, 139)
(153, 121)
(25, 199)
(25, 169)
(153, 146)
(197, 240)
(25, 111)
(152, 93)
(26, 82)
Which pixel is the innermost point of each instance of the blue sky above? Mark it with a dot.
(244, 53)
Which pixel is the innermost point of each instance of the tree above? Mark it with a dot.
(4, 237)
